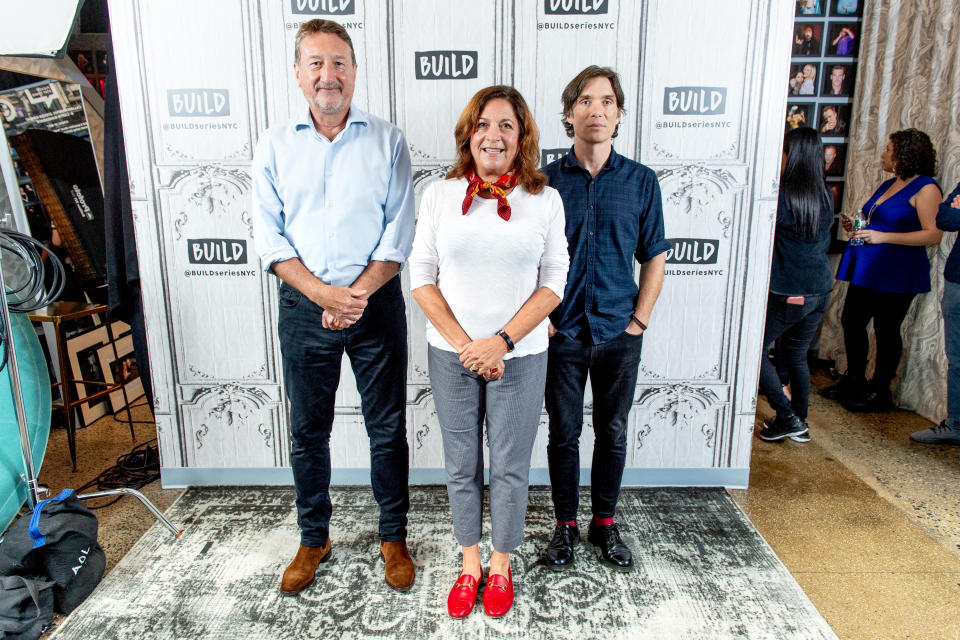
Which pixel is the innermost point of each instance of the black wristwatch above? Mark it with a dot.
(506, 338)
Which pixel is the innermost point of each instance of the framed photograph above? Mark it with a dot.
(122, 369)
(837, 79)
(846, 8)
(834, 119)
(836, 189)
(807, 39)
(843, 39)
(811, 7)
(834, 157)
(119, 328)
(803, 78)
(85, 365)
(800, 115)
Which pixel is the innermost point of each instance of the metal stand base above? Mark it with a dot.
(30, 473)
(146, 501)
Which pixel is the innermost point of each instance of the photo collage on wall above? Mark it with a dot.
(823, 67)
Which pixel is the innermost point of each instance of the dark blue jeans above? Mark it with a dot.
(951, 333)
(613, 369)
(377, 348)
(795, 326)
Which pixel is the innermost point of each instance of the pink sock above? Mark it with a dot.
(571, 523)
(602, 522)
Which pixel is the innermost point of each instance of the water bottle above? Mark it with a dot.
(859, 222)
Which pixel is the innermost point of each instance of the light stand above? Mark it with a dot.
(26, 449)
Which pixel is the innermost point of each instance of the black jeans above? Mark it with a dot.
(377, 347)
(888, 311)
(613, 369)
(794, 325)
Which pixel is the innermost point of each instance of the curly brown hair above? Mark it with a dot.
(913, 154)
(528, 154)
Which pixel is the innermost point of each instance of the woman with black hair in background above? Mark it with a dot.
(888, 268)
(800, 281)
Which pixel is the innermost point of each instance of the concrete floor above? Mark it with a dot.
(866, 521)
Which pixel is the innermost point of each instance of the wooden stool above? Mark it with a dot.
(56, 314)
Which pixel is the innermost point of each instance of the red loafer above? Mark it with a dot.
(498, 594)
(462, 596)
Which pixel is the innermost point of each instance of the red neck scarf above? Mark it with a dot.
(497, 189)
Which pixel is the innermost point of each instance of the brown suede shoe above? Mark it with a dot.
(300, 574)
(399, 567)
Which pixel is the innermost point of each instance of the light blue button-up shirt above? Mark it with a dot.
(336, 205)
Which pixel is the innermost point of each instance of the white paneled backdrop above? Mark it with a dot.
(705, 86)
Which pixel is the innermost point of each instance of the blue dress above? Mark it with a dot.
(895, 268)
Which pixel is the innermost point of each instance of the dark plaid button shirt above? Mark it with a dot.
(612, 219)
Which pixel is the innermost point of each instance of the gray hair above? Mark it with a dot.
(319, 25)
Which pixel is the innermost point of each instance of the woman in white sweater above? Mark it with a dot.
(489, 263)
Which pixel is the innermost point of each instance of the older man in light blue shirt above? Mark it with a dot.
(336, 205)
(334, 220)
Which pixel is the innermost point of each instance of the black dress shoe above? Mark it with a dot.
(609, 547)
(559, 554)
(870, 401)
(847, 387)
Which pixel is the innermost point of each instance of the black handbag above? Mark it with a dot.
(26, 607)
(59, 541)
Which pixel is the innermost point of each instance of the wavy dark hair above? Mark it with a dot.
(803, 183)
(913, 154)
(527, 164)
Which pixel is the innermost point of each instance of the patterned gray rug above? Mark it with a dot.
(703, 571)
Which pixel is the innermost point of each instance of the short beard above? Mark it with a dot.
(327, 108)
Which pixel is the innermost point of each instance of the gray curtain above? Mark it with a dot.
(908, 76)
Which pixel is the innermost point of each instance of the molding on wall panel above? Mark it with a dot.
(177, 477)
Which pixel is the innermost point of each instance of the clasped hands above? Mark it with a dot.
(485, 357)
(342, 306)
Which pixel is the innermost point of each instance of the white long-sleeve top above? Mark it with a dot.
(487, 267)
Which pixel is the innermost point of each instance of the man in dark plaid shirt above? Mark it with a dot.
(613, 216)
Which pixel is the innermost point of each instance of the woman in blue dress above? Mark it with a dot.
(889, 269)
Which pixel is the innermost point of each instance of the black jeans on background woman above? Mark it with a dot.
(795, 325)
(888, 311)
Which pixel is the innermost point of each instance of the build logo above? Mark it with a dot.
(692, 251)
(198, 103)
(575, 7)
(217, 251)
(446, 65)
(323, 7)
(549, 155)
(694, 101)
